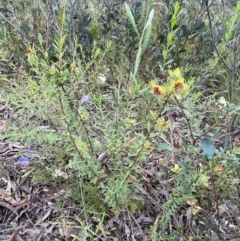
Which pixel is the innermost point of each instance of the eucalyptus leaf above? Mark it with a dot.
(208, 147)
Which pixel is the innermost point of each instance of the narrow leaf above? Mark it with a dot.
(173, 21)
(138, 59)
(131, 18)
(149, 3)
(150, 18)
(115, 98)
(146, 38)
(169, 39)
(62, 17)
(176, 8)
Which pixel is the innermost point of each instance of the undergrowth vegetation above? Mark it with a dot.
(135, 107)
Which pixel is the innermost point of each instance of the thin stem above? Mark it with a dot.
(189, 126)
(73, 141)
(213, 40)
(81, 120)
(146, 138)
(150, 131)
(211, 127)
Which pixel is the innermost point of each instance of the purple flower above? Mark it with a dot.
(23, 160)
(85, 99)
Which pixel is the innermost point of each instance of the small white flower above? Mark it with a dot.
(102, 78)
(222, 102)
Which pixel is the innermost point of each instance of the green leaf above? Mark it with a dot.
(26, 174)
(138, 59)
(146, 38)
(97, 53)
(199, 25)
(238, 6)
(44, 64)
(208, 147)
(176, 8)
(169, 39)
(228, 36)
(94, 31)
(173, 21)
(62, 17)
(133, 78)
(40, 39)
(164, 53)
(131, 18)
(150, 18)
(235, 19)
(115, 97)
(149, 3)
(164, 147)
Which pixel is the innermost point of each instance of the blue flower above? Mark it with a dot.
(85, 99)
(23, 160)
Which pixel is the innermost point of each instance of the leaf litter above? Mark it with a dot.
(30, 210)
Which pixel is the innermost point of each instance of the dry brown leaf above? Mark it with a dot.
(8, 206)
(12, 237)
(33, 233)
(221, 210)
(149, 172)
(191, 201)
(189, 214)
(146, 179)
(195, 209)
(144, 220)
(18, 145)
(41, 219)
(68, 232)
(127, 231)
(7, 197)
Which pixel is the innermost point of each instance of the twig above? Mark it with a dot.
(8, 206)
(188, 123)
(210, 128)
(12, 237)
(232, 133)
(73, 141)
(18, 30)
(81, 120)
(213, 40)
(5, 230)
(146, 138)
(149, 132)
